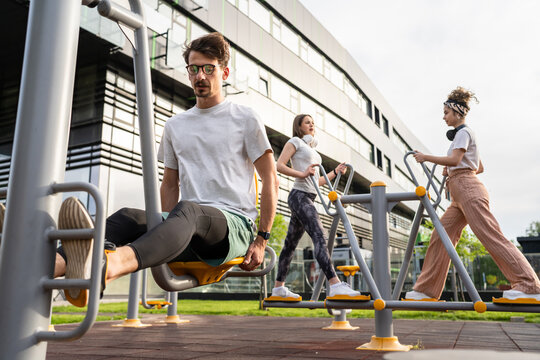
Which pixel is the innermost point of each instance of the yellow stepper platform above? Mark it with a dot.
(157, 303)
(519, 301)
(286, 299)
(204, 273)
(349, 298)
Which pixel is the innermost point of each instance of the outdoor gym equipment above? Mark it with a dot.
(29, 237)
(379, 203)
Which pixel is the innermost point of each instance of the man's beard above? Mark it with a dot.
(202, 92)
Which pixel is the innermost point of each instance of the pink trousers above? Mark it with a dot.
(470, 205)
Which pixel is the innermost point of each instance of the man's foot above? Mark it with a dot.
(73, 215)
(342, 288)
(283, 292)
(416, 295)
(516, 294)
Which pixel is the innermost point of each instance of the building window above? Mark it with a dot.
(350, 91)
(368, 111)
(309, 107)
(243, 6)
(366, 149)
(336, 77)
(385, 126)
(401, 144)
(259, 14)
(246, 72)
(387, 166)
(289, 38)
(315, 60)
(280, 92)
(403, 180)
(303, 50)
(379, 159)
(263, 81)
(377, 118)
(276, 28)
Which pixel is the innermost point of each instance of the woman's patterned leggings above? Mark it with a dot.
(304, 217)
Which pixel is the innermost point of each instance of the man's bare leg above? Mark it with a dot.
(121, 262)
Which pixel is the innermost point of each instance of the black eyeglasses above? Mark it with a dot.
(208, 69)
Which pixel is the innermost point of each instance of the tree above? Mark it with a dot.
(278, 233)
(468, 247)
(533, 229)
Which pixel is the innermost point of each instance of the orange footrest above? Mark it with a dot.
(348, 270)
(204, 273)
(519, 301)
(157, 303)
(280, 298)
(349, 298)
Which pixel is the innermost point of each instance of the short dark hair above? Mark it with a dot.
(297, 123)
(212, 45)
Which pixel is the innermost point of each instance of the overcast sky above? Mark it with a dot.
(416, 51)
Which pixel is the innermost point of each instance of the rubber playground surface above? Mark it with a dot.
(255, 337)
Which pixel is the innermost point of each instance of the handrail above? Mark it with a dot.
(332, 187)
(257, 273)
(426, 171)
(94, 283)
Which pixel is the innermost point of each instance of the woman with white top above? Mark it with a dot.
(470, 205)
(300, 150)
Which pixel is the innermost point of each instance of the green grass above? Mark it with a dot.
(117, 311)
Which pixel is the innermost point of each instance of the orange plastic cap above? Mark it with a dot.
(377, 183)
(480, 307)
(333, 196)
(379, 304)
(420, 191)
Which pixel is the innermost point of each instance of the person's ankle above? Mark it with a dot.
(121, 262)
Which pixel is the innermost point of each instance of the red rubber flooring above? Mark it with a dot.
(253, 337)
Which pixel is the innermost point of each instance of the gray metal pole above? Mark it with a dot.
(143, 82)
(381, 265)
(408, 252)
(320, 279)
(172, 310)
(452, 253)
(39, 160)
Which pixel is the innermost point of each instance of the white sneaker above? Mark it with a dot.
(416, 295)
(342, 288)
(283, 292)
(516, 294)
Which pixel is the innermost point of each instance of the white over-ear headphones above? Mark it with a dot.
(310, 140)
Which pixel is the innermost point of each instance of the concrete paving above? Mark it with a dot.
(265, 338)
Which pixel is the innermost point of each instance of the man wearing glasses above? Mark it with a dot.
(210, 152)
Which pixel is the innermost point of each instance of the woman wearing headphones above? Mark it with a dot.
(470, 205)
(300, 150)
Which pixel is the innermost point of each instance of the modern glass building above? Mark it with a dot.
(283, 62)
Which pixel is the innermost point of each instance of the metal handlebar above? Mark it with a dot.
(165, 279)
(94, 283)
(332, 187)
(257, 273)
(428, 173)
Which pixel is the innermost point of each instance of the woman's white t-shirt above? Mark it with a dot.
(466, 140)
(304, 156)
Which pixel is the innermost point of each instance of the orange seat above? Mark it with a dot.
(348, 270)
(204, 273)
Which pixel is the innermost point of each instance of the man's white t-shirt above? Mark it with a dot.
(466, 140)
(214, 150)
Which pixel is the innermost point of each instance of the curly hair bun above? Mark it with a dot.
(462, 96)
